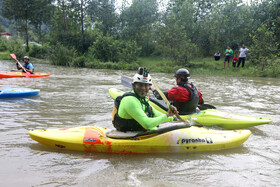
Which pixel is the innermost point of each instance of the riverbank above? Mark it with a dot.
(5, 55)
(199, 66)
(208, 66)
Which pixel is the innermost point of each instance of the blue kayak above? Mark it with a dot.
(18, 92)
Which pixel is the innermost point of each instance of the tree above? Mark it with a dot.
(43, 13)
(137, 23)
(68, 24)
(173, 41)
(103, 13)
(23, 12)
(264, 47)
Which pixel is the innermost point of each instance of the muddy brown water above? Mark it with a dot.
(73, 97)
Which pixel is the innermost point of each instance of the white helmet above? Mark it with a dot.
(142, 76)
(26, 57)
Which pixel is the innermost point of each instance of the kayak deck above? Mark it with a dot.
(94, 139)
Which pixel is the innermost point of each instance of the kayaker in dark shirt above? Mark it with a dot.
(185, 97)
(133, 110)
(27, 65)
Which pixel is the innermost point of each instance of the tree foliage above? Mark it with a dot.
(137, 23)
(184, 29)
(25, 13)
(265, 46)
(104, 12)
(173, 41)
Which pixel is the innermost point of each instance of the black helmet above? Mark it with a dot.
(182, 73)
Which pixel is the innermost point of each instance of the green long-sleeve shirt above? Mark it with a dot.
(131, 108)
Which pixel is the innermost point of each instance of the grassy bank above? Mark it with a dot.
(5, 55)
(199, 66)
(208, 66)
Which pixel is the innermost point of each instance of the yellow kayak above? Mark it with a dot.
(171, 139)
(209, 117)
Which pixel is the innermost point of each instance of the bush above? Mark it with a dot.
(104, 49)
(40, 51)
(3, 44)
(264, 47)
(79, 61)
(4, 55)
(62, 56)
(128, 51)
(76, 40)
(111, 65)
(107, 49)
(15, 45)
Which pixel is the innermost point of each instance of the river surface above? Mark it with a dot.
(73, 97)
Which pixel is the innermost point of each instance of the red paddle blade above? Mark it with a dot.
(13, 56)
(27, 74)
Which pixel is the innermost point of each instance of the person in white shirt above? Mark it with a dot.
(242, 55)
(217, 55)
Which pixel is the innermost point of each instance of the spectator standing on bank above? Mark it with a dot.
(242, 55)
(228, 53)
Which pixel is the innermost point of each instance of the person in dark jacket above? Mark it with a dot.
(185, 97)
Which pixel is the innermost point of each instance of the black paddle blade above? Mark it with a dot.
(126, 81)
(206, 106)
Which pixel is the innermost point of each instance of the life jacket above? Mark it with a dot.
(124, 125)
(190, 106)
(24, 65)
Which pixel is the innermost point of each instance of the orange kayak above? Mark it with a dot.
(14, 74)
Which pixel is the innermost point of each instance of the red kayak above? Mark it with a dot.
(14, 74)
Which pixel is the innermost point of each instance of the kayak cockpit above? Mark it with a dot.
(115, 134)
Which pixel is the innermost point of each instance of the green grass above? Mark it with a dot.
(198, 66)
(157, 64)
(5, 55)
(208, 66)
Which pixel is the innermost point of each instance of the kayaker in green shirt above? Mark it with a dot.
(133, 110)
(228, 53)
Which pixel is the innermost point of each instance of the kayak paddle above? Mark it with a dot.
(126, 81)
(205, 106)
(27, 74)
(167, 102)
